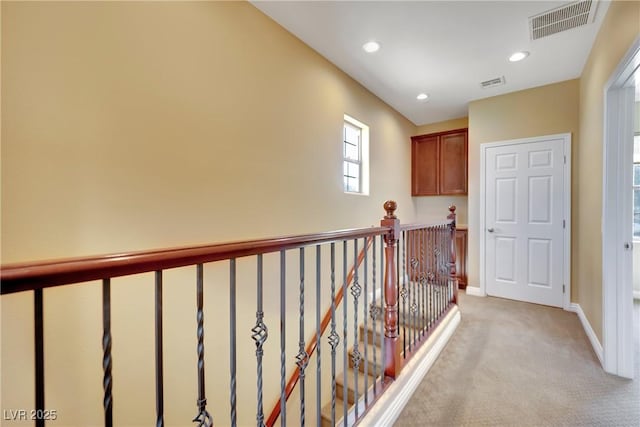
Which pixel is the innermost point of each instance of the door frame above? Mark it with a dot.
(617, 286)
(566, 142)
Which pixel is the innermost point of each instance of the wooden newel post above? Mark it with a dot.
(393, 362)
(453, 279)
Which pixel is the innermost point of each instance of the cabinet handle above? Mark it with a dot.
(490, 230)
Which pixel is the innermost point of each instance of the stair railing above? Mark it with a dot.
(39, 277)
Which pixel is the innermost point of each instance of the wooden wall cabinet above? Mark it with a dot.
(461, 257)
(439, 163)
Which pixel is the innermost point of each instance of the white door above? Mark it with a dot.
(524, 195)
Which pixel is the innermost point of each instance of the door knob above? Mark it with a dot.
(490, 230)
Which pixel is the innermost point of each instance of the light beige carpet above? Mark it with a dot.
(517, 364)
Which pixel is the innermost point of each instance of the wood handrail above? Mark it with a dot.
(418, 226)
(313, 342)
(45, 274)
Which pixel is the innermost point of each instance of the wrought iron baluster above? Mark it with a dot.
(38, 317)
(345, 325)
(232, 338)
(302, 358)
(383, 356)
(203, 418)
(318, 343)
(259, 335)
(412, 291)
(421, 283)
(107, 380)
(334, 339)
(403, 293)
(373, 312)
(159, 362)
(356, 357)
(365, 305)
(430, 276)
(283, 302)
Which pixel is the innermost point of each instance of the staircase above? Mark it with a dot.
(372, 366)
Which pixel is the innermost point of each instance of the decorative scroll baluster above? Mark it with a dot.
(356, 290)
(334, 339)
(203, 418)
(302, 358)
(107, 381)
(283, 367)
(159, 363)
(259, 333)
(232, 338)
(38, 306)
(318, 331)
(373, 312)
(421, 283)
(345, 325)
(452, 254)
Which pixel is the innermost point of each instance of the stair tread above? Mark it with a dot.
(326, 412)
(351, 382)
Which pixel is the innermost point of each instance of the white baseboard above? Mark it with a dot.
(475, 291)
(597, 347)
(636, 294)
(388, 408)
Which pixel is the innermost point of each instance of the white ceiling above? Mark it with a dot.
(443, 48)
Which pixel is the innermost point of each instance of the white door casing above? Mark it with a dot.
(525, 188)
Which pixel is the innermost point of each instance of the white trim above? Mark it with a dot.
(617, 286)
(475, 291)
(566, 137)
(387, 409)
(595, 343)
(636, 294)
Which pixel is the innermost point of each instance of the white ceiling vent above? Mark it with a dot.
(562, 18)
(498, 81)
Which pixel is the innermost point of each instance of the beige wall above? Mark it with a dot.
(544, 110)
(130, 126)
(430, 208)
(620, 27)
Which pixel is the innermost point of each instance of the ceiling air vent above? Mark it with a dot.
(562, 18)
(498, 81)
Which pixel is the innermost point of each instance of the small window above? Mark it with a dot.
(355, 156)
(636, 187)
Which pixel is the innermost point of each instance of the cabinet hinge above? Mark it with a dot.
(564, 224)
(563, 289)
(565, 160)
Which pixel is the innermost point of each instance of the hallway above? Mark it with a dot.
(518, 364)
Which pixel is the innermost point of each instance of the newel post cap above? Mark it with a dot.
(390, 207)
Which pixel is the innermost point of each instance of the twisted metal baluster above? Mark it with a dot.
(203, 418)
(318, 343)
(259, 334)
(356, 290)
(283, 302)
(374, 317)
(232, 338)
(403, 293)
(365, 304)
(159, 361)
(333, 338)
(345, 325)
(107, 383)
(302, 358)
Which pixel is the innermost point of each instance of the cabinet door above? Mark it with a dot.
(453, 163)
(424, 166)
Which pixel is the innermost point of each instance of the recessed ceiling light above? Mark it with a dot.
(371, 46)
(422, 96)
(518, 56)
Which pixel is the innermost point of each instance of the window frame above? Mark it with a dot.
(635, 187)
(362, 160)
